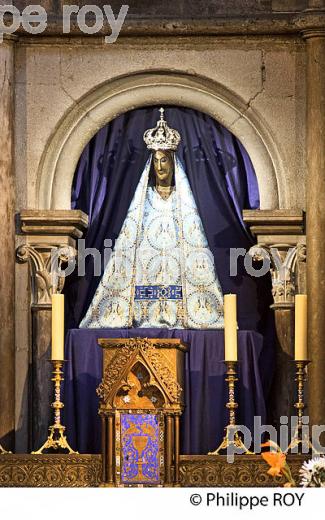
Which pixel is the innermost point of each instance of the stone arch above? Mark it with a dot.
(95, 109)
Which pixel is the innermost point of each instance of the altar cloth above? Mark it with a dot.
(205, 415)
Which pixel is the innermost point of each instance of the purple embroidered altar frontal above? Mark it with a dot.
(205, 415)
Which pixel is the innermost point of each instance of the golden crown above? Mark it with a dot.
(161, 137)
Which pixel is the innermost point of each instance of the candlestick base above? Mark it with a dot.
(3, 451)
(231, 439)
(301, 441)
(56, 439)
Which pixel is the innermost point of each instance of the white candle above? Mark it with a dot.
(230, 317)
(58, 327)
(300, 327)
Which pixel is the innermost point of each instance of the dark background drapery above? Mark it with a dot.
(221, 177)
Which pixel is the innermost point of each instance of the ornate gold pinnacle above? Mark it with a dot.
(56, 439)
(231, 437)
(300, 438)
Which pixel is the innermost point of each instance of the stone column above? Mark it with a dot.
(46, 233)
(315, 42)
(279, 235)
(7, 255)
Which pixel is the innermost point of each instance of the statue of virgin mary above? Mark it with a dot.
(161, 272)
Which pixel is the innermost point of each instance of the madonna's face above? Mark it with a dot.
(163, 166)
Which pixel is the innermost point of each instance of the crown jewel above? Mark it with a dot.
(161, 137)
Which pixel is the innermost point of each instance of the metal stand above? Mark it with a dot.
(232, 437)
(56, 439)
(3, 452)
(300, 438)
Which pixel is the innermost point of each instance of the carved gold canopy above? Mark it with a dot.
(141, 373)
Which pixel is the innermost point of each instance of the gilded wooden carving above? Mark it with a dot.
(85, 471)
(115, 372)
(140, 403)
(135, 349)
(245, 471)
(50, 470)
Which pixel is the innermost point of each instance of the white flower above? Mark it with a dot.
(312, 473)
(126, 398)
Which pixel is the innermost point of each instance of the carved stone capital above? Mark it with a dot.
(280, 238)
(283, 260)
(48, 241)
(46, 268)
(301, 253)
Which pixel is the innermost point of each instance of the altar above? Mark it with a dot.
(205, 415)
(245, 183)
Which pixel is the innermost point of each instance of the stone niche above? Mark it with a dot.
(67, 88)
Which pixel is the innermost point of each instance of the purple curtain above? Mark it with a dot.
(223, 182)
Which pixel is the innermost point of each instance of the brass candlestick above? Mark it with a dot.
(232, 437)
(2, 451)
(56, 438)
(300, 438)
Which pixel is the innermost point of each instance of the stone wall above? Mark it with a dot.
(7, 267)
(181, 9)
(267, 74)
